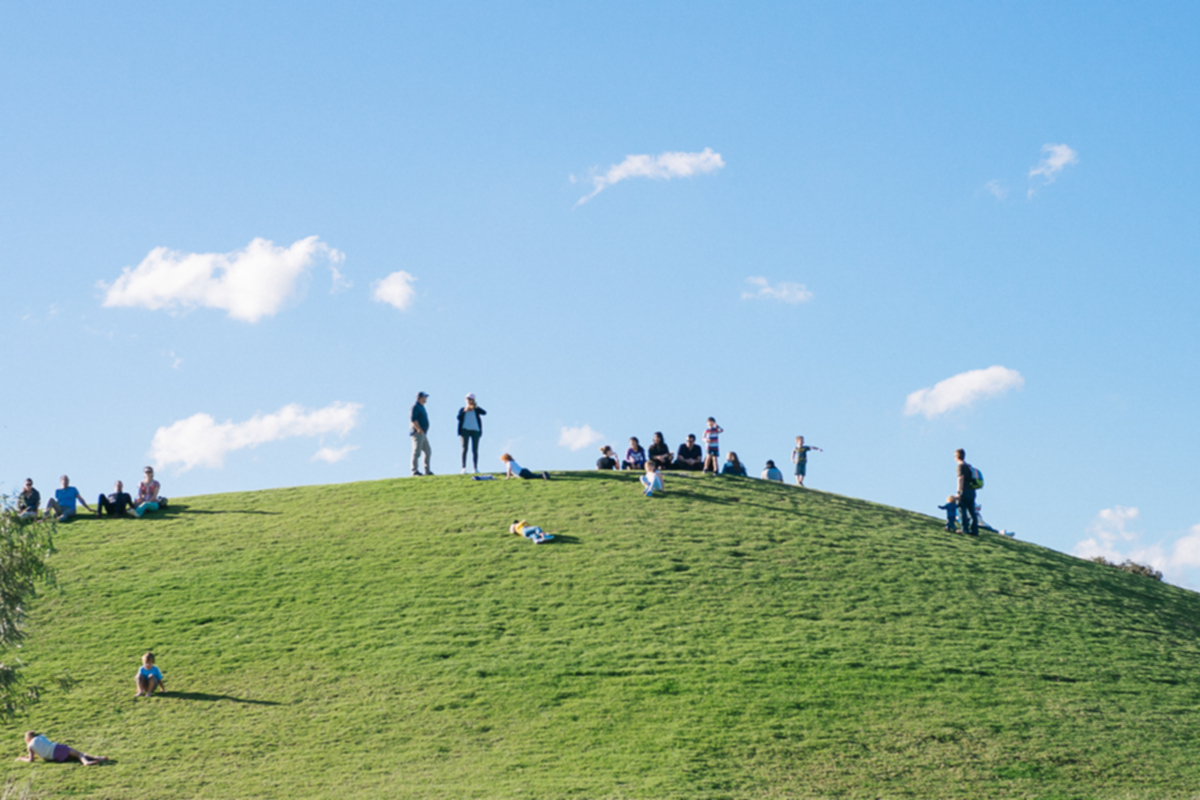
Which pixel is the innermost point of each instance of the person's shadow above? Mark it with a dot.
(214, 697)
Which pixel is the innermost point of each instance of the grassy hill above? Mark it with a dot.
(732, 639)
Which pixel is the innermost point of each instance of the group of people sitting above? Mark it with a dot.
(689, 456)
(64, 504)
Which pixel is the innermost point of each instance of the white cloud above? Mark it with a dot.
(200, 440)
(396, 289)
(1058, 157)
(1108, 529)
(787, 292)
(660, 167)
(996, 189)
(962, 390)
(1186, 552)
(578, 438)
(340, 282)
(250, 284)
(332, 455)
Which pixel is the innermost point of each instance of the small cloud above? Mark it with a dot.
(962, 390)
(996, 189)
(395, 290)
(249, 284)
(1110, 536)
(660, 167)
(331, 455)
(787, 292)
(578, 438)
(175, 360)
(340, 282)
(1058, 157)
(1187, 549)
(200, 440)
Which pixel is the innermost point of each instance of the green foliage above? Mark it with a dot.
(732, 638)
(1131, 567)
(25, 546)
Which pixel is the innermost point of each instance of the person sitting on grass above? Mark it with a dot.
(772, 473)
(514, 470)
(608, 459)
(148, 499)
(39, 745)
(531, 532)
(116, 504)
(733, 466)
(635, 456)
(951, 509)
(62, 505)
(689, 456)
(149, 677)
(659, 452)
(652, 481)
(28, 501)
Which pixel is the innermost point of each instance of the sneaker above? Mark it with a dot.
(464, 472)
(428, 472)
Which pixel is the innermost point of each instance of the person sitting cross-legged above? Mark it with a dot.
(689, 456)
(659, 453)
(28, 501)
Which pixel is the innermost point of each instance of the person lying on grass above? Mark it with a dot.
(38, 745)
(652, 481)
(514, 470)
(531, 532)
(149, 677)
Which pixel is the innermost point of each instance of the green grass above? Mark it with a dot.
(731, 639)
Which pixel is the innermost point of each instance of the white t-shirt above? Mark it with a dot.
(43, 747)
(514, 468)
(470, 421)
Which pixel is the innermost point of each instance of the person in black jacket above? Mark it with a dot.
(659, 453)
(470, 428)
(689, 456)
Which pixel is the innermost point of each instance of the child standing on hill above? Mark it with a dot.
(951, 509)
(800, 459)
(711, 437)
(149, 677)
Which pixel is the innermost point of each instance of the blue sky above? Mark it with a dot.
(829, 208)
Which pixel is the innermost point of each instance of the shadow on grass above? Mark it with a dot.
(214, 697)
(561, 538)
(175, 509)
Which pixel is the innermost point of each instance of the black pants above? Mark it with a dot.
(966, 513)
(471, 437)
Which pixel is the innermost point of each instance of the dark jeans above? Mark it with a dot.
(103, 504)
(966, 512)
(471, 437)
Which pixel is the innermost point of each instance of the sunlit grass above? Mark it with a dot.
(731, 639)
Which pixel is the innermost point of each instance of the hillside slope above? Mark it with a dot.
(731, 639)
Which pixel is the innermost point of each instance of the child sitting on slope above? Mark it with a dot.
(149, 677)
(652, 481)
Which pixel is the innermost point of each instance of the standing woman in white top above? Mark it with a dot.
(470, 428)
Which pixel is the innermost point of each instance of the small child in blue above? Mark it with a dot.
(148, 677)
(951, 509)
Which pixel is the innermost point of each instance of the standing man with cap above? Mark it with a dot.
(419, 434)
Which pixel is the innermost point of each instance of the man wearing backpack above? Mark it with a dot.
(967, 483)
